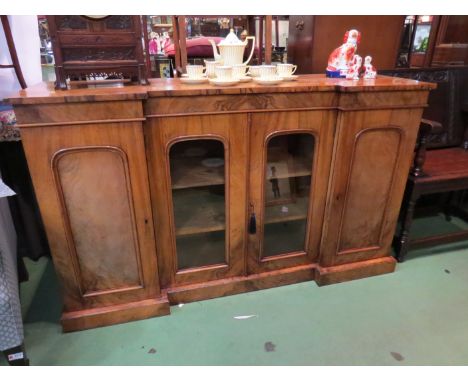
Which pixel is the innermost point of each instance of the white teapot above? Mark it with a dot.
(231, 50)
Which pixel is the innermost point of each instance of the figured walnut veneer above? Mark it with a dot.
(99, 160)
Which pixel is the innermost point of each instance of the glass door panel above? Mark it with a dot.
(288, 177)
(198, 196)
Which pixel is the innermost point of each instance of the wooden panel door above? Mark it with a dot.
(290, 155)
(92, 187)
(198, 174)
(372, 159)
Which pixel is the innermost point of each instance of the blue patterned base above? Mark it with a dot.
(334, 74)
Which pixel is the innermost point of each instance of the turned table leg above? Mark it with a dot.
(409, 205)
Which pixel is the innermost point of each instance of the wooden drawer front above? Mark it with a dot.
(97, 39)
(160, 106)
(372, 159)
(72, 113)
(92, 188)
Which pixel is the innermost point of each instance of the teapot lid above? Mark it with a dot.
(231, 39)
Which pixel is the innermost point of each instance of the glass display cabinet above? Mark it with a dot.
(169, 193)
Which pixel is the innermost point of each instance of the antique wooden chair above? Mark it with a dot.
(443, 168)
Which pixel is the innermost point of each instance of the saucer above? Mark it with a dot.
(186, 75)
(193, 81)
(222, 82)
(292, 77)
(245, 79)
(268, 80)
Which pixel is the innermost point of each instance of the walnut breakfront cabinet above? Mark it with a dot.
(167, 193)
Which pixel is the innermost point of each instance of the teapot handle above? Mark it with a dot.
(253, 47)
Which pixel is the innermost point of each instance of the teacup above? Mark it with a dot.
(254, 70)
(223, 72)
(210, 68)
(195, 71)
(267, 71)
(286, 70)
(239, 70)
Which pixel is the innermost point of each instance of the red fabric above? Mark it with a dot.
(196, 47)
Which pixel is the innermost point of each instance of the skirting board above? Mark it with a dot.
(115, 314)
(354, 271)
(242, 284)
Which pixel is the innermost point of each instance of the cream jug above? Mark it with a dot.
(231, 50)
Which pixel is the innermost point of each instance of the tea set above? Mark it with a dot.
(228, 67)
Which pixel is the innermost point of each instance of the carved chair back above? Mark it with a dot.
(445, 104)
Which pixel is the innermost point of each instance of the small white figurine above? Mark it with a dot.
(370, 71)
(354, 68)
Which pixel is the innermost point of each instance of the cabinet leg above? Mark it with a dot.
(402, 244)
(16, 356)
(447, 205)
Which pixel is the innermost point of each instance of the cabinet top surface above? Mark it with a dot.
(45, 92)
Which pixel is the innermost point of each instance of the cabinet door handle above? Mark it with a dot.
(252, 221)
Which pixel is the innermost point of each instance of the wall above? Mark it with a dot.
(313, 38)
(380, 38)
(26, 37)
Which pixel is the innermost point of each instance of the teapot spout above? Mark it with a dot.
(216, 55)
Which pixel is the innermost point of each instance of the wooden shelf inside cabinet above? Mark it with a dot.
(291, 168)
(296, 210)
(200, 211)
(201, 176)
(187, 174)
(162, 25)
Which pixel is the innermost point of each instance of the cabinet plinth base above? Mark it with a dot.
(115, 314)
(354, 271)
(242, 284)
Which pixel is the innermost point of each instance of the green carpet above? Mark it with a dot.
(415, 316)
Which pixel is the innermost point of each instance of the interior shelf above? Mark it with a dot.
(199, 211)
(187, 174)
(284, 212)
(290, 168)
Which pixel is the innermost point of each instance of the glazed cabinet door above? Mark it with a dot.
(92, 187)
(198, 178)
(373, 155)
(290, 155)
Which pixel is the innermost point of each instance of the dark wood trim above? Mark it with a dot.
(444, 21)
(260, 40)
(354, 271)
(432, 41)
(114, 314)
(145, 39)
(182, 43)
(438, 239)
(268, 42)
(241, 284)
(71, 123)
(12, 49)
(276, 31)
(175, 38)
